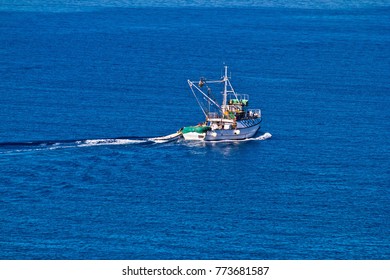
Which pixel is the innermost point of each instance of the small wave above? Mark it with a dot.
(265, 136)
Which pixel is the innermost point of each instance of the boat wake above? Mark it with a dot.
(9, 147)
(12, 147)
(102, 142)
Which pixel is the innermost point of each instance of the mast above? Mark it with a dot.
(225, 80)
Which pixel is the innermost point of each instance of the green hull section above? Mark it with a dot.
(197, 129)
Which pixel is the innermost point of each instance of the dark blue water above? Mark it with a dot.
(318, 189)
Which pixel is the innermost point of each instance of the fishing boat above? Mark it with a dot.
(230, 120)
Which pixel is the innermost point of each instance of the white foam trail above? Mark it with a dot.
(78, 143)
(100, 142)
(33, 150)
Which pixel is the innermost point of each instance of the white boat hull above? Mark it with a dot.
(232, 134)
(241, 132)
(194, 136)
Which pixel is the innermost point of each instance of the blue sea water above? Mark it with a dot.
(72, 75)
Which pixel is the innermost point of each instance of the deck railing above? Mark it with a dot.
(238, 99)
(250, 113)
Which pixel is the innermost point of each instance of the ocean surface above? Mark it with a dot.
(85, 84)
